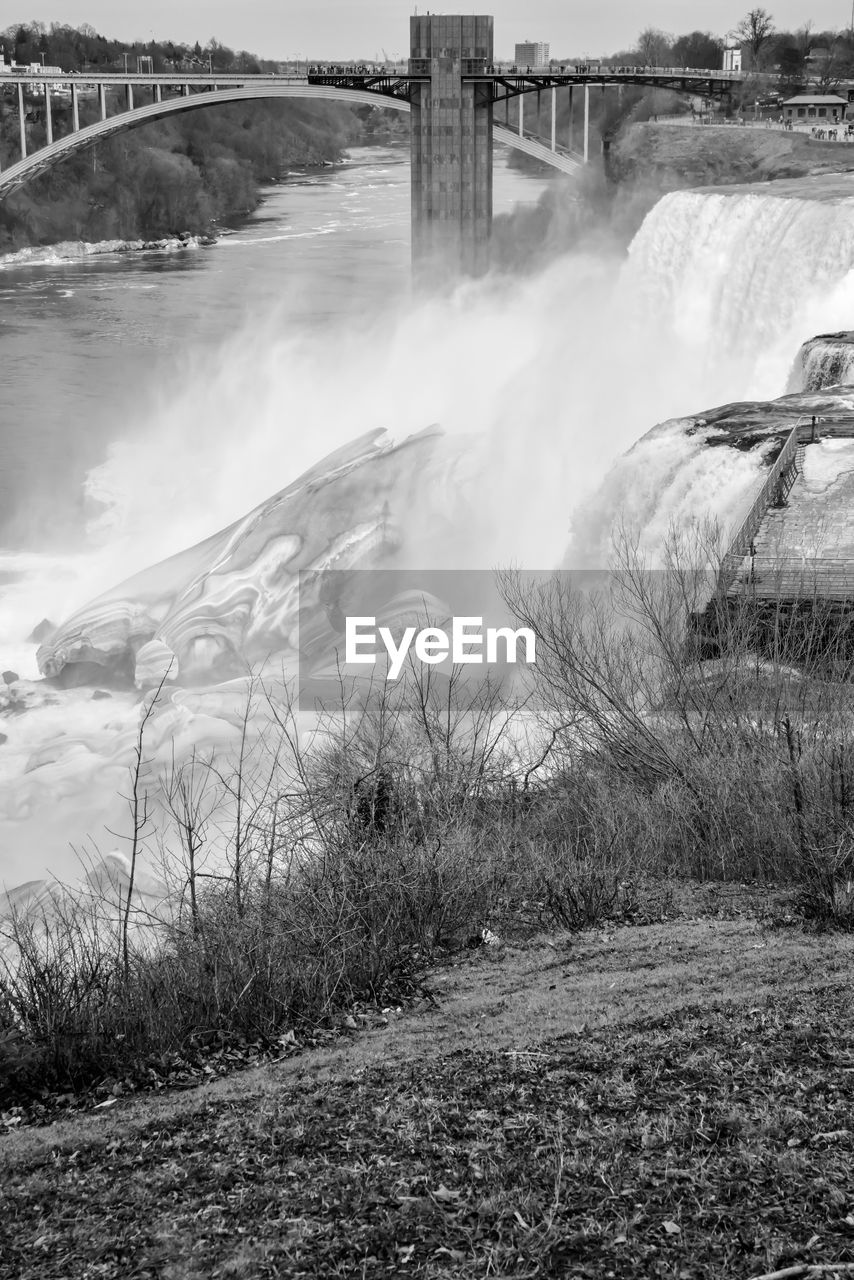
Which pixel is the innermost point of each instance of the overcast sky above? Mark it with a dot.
(362, 28)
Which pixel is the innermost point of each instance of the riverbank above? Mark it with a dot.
(185, 173)
(668, 1099)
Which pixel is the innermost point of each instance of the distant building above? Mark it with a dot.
(806, 108)
(732, 56)
(531, 54)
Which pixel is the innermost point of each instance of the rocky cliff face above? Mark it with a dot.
(670, 157)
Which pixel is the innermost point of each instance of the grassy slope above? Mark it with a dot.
(676, 156)
(672, 1101)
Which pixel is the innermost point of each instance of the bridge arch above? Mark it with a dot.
(23, 171)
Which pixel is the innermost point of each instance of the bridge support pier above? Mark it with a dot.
(75, 109)
(48, 118)
(102, 100)
(586, 123)
(22, 120)
(451, 145)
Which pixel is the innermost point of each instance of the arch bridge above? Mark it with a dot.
(450, 86)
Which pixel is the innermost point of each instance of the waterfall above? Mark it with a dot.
(734, 285)
(746, 276)
(546, 389)
(825, 361)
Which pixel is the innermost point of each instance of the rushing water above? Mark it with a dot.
(84, 344)
(150, 402)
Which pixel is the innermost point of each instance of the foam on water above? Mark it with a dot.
(544, 382)
(79, 250)
(824, 361)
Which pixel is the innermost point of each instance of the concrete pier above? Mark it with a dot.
(451, 143)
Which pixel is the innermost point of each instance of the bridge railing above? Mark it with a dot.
(412, 67)
(602, 68)
(833, 130)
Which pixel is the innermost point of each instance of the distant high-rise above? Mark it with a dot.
(532, 54)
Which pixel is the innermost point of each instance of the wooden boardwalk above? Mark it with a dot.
(803, 546)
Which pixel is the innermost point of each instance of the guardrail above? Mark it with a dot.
(740, 544)
(832, 131)
(812, 577)
(92, 76)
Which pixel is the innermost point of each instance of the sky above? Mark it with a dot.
(331, 29)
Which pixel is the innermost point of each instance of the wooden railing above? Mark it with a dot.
(829, 578)
(740, 545)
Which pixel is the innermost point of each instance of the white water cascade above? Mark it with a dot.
(545, 405)
(737, 280)
(824, 361)
(733, 283)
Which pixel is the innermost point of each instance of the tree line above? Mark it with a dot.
(803, 57)
(184, 173)
(84, 49)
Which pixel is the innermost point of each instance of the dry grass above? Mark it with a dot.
(667, 1101)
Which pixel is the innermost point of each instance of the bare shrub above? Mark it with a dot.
(664, 735)
(578, 886)
(702, 742)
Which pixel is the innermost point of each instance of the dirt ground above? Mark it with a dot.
(668, 1100)
(672, 157)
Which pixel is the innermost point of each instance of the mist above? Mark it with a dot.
(539, 380)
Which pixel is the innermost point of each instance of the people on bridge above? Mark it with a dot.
(337, 69)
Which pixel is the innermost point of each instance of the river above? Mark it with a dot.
(85, 344)
(149, 401)
(95, 349)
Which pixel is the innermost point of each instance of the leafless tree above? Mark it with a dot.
(834, 66)
(755, 30)
(654, 47)
(138, 807)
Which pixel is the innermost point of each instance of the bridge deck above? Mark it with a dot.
(676, 77)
